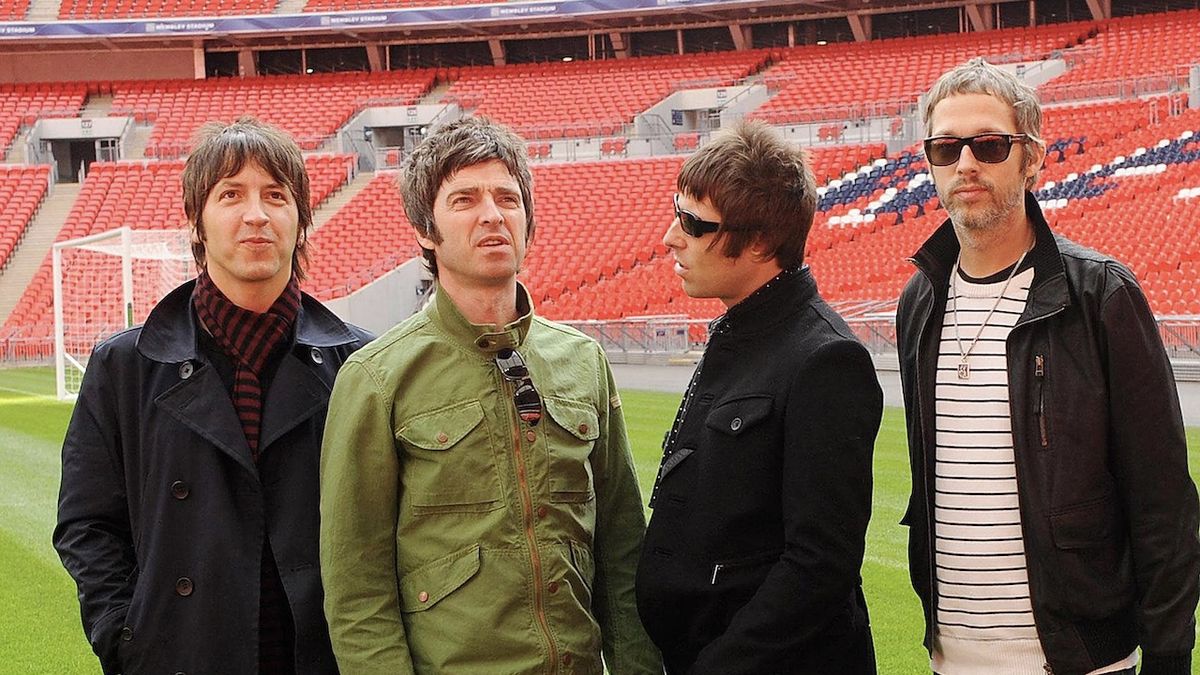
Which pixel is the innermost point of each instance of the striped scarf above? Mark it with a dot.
(248, 338)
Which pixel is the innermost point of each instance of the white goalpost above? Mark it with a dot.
(105, 283)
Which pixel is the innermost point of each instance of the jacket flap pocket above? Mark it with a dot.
(736, 416)
(578, 418)
(423, 587)
(1084, 526)
(442, 428)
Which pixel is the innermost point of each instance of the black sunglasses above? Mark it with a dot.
(525, 396)
(990, 148)
(692, 224)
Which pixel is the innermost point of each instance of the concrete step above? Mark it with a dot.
(135, 142)
(290, 6)
(337, 200)
(97, 105)
(35, 244)
(43, 10)
(434, 96)
(16, 151)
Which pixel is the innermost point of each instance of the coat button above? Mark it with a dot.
(316, 356)
(127, 633)
(442, 437)
(552, 587)
(423, 596)
(180, 490)
(735, 424)
(185, 370)
(583, 428)
(183, 586)
(530, 436)
(542, 511)
(567, 659)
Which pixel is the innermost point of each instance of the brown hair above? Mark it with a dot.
(222, 150)
(450, 148)
(762, 187)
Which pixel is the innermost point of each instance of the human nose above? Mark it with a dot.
(255, 214)
(672, 238)
(491, 212)
(966, 161)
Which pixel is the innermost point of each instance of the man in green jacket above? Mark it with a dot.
(479, 507)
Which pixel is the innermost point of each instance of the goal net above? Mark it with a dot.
(105, 283)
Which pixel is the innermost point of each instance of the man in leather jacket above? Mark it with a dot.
(1053, 523)
(752, 557)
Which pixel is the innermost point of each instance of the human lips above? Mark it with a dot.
(492, 240)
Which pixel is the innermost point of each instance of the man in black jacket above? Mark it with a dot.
(1053, 521)
(752, 557)
(188, 508)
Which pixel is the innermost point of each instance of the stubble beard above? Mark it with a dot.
(977, 227)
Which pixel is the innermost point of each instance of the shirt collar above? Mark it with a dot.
(769, 302)
(488, 338)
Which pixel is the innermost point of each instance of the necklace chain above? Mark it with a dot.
(964, 367)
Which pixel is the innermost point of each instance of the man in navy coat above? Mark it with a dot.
(188, 511)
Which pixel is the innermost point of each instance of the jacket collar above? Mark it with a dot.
(769, 304)
(935, 259)
(488, 338)
(169, 334)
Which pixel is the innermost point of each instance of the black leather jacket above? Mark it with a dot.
(1109, 513)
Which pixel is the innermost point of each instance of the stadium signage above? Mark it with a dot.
(270, 23)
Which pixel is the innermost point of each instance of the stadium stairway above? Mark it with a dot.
(28, 257)
(342, 196)
(43, 10)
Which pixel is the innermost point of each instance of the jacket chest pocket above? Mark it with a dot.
(447, 463)
(570, 437)
(737, 418)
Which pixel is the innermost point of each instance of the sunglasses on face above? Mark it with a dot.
(692, 224)
(525, 396)
(990, 148)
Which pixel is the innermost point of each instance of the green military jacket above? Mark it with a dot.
(457, 538)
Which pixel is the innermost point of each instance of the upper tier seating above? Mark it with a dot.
(13, 10)
(142, 195)
(22, 189)
(22, 104)
(1151, 45)
(845, 80)
(149, 9)
(310, 107)
(552, 100)
(349, 5)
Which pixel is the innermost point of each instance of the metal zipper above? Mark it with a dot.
(535, 560)
(1039, 372)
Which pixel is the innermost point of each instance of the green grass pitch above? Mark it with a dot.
(40, 631)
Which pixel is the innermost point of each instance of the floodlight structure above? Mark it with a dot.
(105, 283)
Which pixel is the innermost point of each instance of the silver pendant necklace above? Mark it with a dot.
(964, 367)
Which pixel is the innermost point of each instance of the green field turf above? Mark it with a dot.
(40, 630)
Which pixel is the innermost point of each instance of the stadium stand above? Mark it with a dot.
(149, 9)
(844, 80)
(367, 237)
(1154, 46)
(13, 10)
(178, 107)
(555, 100)
(144, 195)
(22, 189)
(23, 104)
(345, 5)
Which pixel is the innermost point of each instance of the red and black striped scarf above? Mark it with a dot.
(248, 338)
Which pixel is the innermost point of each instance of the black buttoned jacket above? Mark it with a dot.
(752, 557)
(162, 511)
